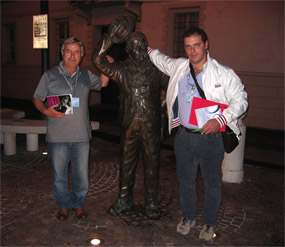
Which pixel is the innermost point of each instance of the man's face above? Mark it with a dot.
(71, 56)
(196, 49)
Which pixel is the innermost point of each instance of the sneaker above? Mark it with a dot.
(185, 225)
(207, 233)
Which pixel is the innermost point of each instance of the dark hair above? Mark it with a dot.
(196, 31)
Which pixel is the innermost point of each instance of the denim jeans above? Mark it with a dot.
(77, 153)
(207, 151)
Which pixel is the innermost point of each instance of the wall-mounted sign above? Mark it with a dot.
(40, 31)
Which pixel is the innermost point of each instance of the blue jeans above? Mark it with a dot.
(77, 153)
(207, 151)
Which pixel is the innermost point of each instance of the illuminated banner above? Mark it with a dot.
(40, 31)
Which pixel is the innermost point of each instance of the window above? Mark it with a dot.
(62, 33)
(10, 56)
(180, 20)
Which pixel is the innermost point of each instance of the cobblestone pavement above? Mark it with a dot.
(251, 213)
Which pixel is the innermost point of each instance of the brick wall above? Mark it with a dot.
(266, 99)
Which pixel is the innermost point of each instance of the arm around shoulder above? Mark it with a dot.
(105, 80)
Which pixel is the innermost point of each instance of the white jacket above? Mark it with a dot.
(220, 84)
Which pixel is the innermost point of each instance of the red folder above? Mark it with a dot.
(201, 103)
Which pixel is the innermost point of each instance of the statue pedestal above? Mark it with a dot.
(232, 165)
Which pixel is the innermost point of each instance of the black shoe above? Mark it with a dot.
(153, 213)
(118, 208)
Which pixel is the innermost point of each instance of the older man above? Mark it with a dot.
(68, 136)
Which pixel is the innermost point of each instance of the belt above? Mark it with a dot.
(192, 131)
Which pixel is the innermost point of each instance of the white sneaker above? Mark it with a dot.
(207, 233)
(185, 225)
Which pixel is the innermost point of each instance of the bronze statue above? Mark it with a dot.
(140, 84)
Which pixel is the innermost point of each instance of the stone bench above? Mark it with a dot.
(32, 128)
(9, 114)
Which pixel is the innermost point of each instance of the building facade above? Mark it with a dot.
(247, 36)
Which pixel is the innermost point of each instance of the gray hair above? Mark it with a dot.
(73, 40)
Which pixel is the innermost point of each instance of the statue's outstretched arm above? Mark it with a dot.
(118, 31)
(100, 60)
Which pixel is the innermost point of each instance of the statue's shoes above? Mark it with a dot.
(118, 208)
(153, 213)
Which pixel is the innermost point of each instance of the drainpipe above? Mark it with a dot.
(45, 52)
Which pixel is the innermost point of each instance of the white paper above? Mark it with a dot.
(206, 113)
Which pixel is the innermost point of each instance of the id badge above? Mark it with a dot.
(189, 97)
(75, 102)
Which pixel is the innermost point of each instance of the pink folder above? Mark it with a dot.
(201, 103)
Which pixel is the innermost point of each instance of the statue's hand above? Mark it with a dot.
(120, 28)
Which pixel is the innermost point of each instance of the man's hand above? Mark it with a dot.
(51, 112)
(110, 59)
(212, 126)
